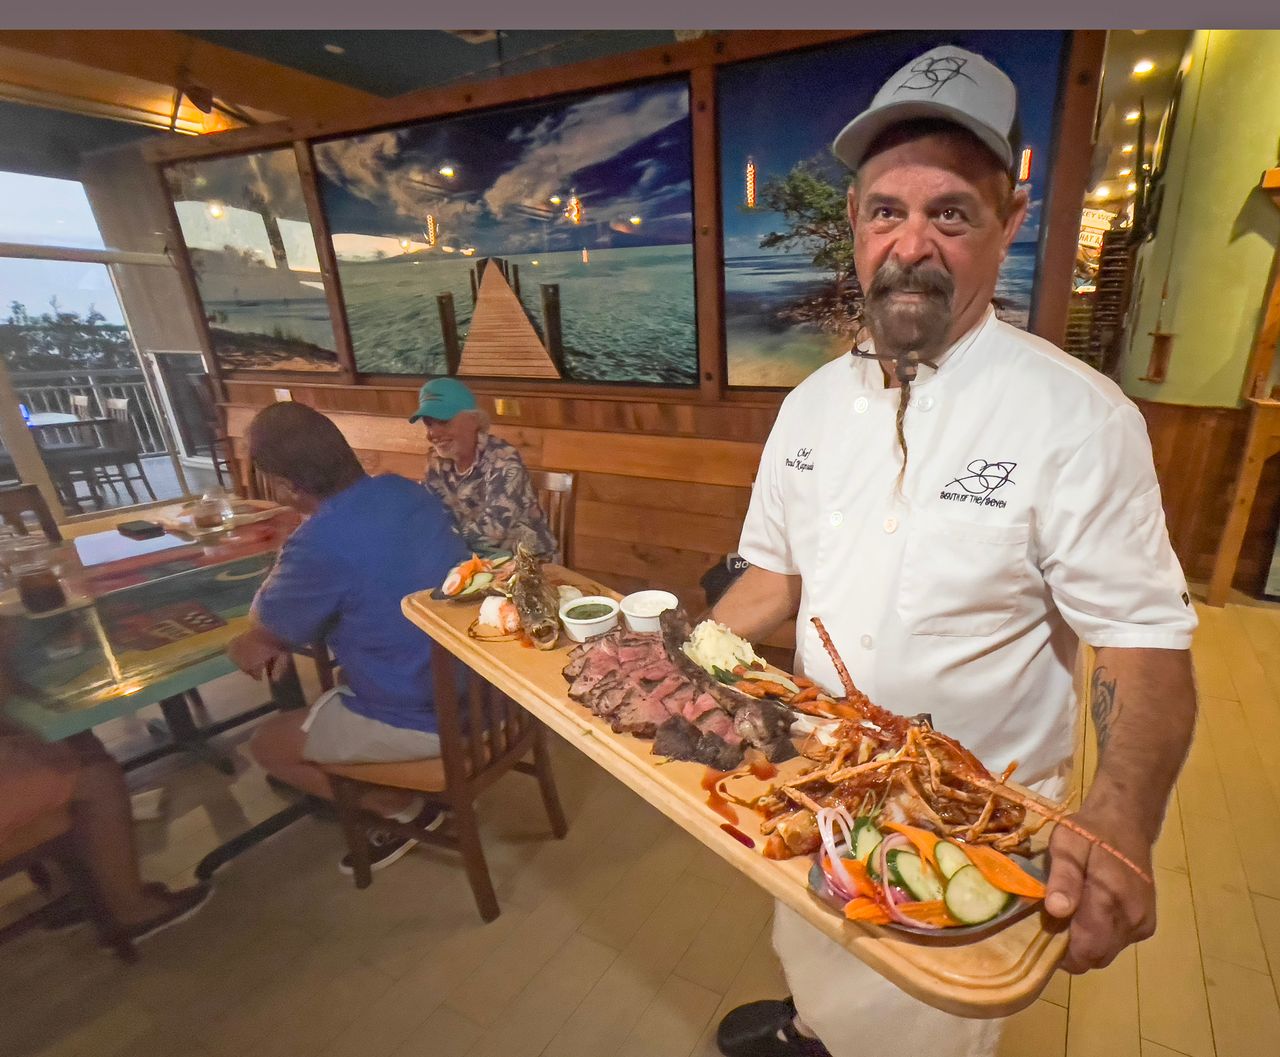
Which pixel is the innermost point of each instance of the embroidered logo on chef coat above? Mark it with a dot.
(980, 483)
(803, 460)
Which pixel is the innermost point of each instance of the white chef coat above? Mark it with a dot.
(1029, 515)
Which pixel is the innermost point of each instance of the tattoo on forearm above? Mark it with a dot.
(1103, 706)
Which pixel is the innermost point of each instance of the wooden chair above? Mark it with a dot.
(122, 451)
(26, 499)
(49, 838)
(556, 492)
(218, 444)
(80, 405)
(480, 742)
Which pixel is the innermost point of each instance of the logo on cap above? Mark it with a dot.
(934, 72)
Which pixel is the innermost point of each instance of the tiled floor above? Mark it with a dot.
(627, 939)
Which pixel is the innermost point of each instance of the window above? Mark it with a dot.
(42, 211)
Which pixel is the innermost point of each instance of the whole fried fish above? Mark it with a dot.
(537, 602)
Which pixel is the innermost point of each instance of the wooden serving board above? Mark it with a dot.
(992, 976)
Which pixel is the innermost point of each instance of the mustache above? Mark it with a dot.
(894, 278)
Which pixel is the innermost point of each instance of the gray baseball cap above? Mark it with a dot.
(947, 83)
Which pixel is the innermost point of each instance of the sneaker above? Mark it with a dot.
(183, 904)
(765, 1029)
(384, 849)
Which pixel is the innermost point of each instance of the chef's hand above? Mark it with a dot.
(1109, 905)
(255, 655)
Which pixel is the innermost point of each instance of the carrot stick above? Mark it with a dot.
(924, 841)
(934, 912)
(806, 694)
(858, 871)
(867, 910)
(1003, 872)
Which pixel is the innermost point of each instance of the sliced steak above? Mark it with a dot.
(701, 704)
(639, 714)
(715, 752)
(677, 739)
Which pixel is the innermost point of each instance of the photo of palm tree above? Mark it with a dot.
(791, 298)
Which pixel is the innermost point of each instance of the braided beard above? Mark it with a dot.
(908, 333)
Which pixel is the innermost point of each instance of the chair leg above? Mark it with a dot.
(547, 783)
(346, 796)
(128, 484)
(146, 483)
(464, 815)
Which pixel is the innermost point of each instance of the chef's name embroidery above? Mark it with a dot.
(979, 483)
(803, 460)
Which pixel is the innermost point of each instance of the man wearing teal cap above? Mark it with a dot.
(480, 478)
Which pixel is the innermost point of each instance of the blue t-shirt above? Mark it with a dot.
(341, 577)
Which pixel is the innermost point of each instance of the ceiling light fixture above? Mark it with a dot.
(1132, 116)
(1102, 191)
(1143, 67)
(216, 211)
(1132, 187)
(1126, 172)
(447, 171)
(335, 49)
(1127, 149)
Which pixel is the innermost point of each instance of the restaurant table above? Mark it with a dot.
(991, 976)
(147, 622)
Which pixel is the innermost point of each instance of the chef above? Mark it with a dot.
(962, 504)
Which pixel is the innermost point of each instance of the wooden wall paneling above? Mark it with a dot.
(664, 528)
(328, 261)
(720, 500)
(613, 70)
(708, 259)
(176, 247)
(676, 458)
(1067, 184)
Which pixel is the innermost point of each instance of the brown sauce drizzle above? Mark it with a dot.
(738, 835)
(715, 801)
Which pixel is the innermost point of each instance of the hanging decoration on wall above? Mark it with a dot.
(247, 231)
(574, 215)
(791, 298)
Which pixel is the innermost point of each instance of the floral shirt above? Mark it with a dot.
(494, 502)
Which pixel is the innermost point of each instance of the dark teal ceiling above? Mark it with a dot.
(44, 142)
(389, 62)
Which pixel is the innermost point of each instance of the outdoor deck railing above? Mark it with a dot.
(52, 391)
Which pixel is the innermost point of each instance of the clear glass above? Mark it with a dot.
(245, 223)
(44, 211)
(81, 387)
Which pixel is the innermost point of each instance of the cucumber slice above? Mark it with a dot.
(908, 871)
(951, 858)
(971, 898)
(866, 838)
(478, 583)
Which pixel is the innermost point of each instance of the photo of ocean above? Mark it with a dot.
(626, 314)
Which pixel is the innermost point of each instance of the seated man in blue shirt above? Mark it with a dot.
(365, 543)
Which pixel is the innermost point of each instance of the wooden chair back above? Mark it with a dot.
(121, 431)
(80, 405)
(483, 735)
(556, 491)
(26, 499)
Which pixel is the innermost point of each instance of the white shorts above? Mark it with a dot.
(335, 734)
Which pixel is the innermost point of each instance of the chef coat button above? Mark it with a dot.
(837, 518)
(891, 524)
(926, 402)
(867, 642)
(861, 404)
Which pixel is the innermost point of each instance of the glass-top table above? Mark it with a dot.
(145, 621)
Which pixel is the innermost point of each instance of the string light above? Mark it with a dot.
(1024, 165)
(751, 184)
(432, 231)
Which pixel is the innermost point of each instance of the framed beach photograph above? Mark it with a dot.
(791, 298)
(548, 240)
(247, 231)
